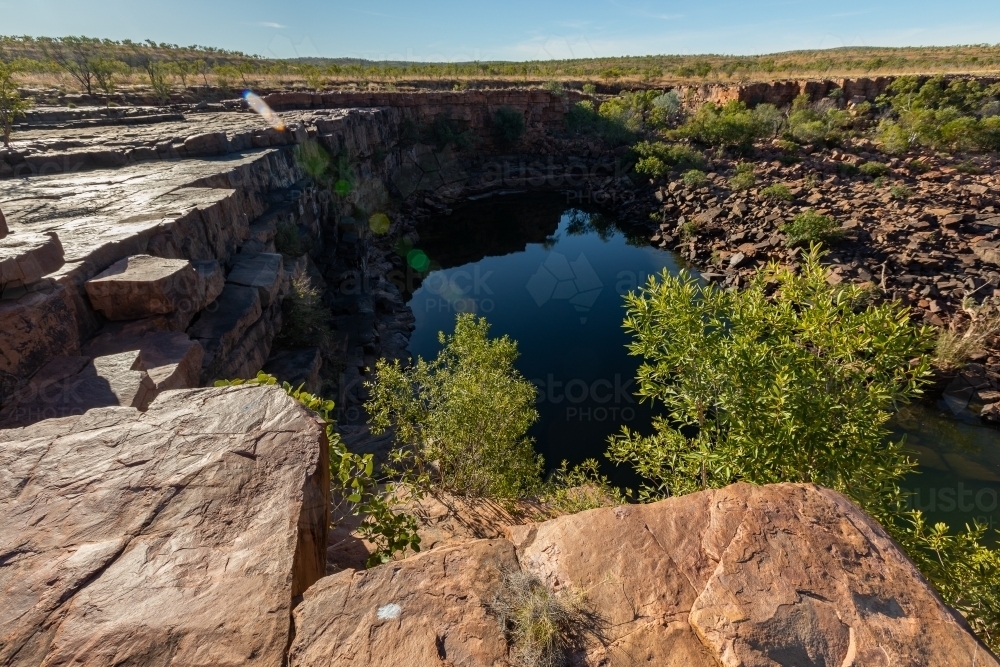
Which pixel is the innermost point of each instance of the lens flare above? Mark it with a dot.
(379, 223)
(255, 102)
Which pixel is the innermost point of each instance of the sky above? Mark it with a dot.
(510, 30)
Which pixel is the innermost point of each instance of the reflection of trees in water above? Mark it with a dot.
(582, 222)
(925, 426)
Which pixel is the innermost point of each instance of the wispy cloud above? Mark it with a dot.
(270, 24)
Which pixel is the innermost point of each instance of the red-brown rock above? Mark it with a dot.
(179, 536)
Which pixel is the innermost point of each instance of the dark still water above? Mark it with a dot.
(551, 276)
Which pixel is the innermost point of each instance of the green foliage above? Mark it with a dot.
(460, 420)
(694, 178)
(808, 125)
(508, 126)
(790, 387)
(305, 319)
(793, 380)
(353, 482)
(810, 227)
(589, 89)
(555, 87)
(744, 179)
(874, 169)
(777, 192)
(968, 167)
(287, 240)
(12, 105)
(580, 488)
(657, 159)
(900, 192)
(731, 125)
(787, 145)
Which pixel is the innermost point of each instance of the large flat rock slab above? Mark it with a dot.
(775, 575)
(142, 286)
(427, 610)
(179, 536)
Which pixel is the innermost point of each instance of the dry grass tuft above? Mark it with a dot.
(960, 341)
(543, 628)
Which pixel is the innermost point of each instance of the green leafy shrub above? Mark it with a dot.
(811, 227)
(353, 481)
(508, 126)
(694, 178)
(744, 179)
(460, 420)
(808, 125)
(968, 167)
(305, 319)
(732, 125)
(287, 240)
(657, 158)
(580, 488)
(583, 118)
(12, 105)
(874, 169)
(848, 169)
(900, 192)
(589, 89)
(777, 192)
(794, 384)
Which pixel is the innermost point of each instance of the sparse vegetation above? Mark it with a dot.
(579, 488)
(744, 179)
(777, 192)
(287, 240)
(306, 320)
(460, 421)
(658, 159)
(732, 125)
(508, 126)
(12, 105)
(811, 227)
(694, 178)
(964, 337)
(542, 627)
(900, 192)
(874, 169)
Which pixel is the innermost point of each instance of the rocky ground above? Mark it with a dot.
(933, 248)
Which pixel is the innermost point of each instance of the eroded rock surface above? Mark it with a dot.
(752, 576)
(177, 536)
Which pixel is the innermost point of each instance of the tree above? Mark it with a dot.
(12, 105)
(106, 72)
(793, 380)
(75, 56)
(461, 419)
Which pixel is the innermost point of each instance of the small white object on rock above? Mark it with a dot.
(389, 611)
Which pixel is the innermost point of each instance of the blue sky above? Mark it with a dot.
(513, 29)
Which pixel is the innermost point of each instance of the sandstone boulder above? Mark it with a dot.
(769, 576)
(25, 258)
(142, 285)
(170, 359)
(426, 610)
(179, 536)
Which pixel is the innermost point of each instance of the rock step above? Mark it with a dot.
(25, 258)
(179, 536)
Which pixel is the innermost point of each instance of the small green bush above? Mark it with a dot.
(847, 169)
(287, 240)
(589, 89)
(744, 178)
(968, 167)
(900, 192)
(657, 158)
(777, 192)
(787, 145)
(305, 318)
(694, 178)
(460, 421)
(811, 227)
(874, 169)
(508, 126)
(732, 125)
